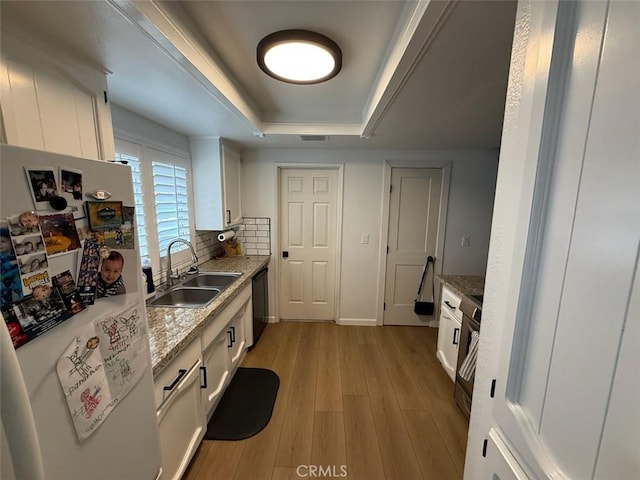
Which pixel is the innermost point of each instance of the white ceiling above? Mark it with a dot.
(418, 75)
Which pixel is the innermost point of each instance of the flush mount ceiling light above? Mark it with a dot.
(299, 56)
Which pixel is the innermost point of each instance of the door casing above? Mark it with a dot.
(445, 166)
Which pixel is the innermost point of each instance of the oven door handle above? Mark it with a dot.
(456, 336)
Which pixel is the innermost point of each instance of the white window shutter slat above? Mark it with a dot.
(138, 196)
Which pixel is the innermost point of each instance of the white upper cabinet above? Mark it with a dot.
(53, 106)
(216, 184)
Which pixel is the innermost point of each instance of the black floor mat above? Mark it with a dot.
(246, 406)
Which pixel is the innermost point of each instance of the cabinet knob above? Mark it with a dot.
(228, 217)
(285, 254)
(456, 337)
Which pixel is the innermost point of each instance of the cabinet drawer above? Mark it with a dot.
(189, 357)
(451, 302)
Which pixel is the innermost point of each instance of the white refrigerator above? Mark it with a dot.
(41, 435)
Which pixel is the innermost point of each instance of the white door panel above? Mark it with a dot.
(414, 210)
(308, 206)
(566, 317)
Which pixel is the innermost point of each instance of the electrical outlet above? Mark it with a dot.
(465, 240)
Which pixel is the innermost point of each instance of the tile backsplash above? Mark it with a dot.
(207, 246)
(255, 236)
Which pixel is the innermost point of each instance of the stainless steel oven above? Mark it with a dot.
(471, 309)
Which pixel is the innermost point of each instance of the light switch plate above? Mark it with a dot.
(465, 240)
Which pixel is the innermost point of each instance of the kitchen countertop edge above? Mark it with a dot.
(464, 284)
(172, 329)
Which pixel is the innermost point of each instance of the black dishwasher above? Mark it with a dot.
(260, 293)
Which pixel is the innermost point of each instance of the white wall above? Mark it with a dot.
(470, 209)
(132, 123)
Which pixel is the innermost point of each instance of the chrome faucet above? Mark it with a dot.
(194, 259)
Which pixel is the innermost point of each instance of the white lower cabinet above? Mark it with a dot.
(449, 332)
(238, 339)
(223, 346)
(216, 369)
(180, 413)
(448, 340)
(189, 389)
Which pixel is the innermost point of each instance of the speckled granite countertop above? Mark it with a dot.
(172, 329)
(464, 284)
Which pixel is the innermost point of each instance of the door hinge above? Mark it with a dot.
(105, 97)
(493, 387)
(387, 249)
(384, 306)
(484, 448)
(390, 188)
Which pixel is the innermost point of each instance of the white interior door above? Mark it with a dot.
(566, 401)
(414, 210)
(308, 226)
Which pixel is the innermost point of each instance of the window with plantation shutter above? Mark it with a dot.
(138, 196)
(172, 204)
(161, 187)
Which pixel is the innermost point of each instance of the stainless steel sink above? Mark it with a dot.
(185, 297)
(212, 279)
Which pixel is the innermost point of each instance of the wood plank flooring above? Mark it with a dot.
(372, 399)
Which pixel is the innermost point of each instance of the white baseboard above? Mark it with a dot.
(272, 319)
(418, 323)
(361, 322)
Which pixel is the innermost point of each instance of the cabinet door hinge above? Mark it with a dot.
(387, 249)
(384, 306)
(484, 448)
(493, 387)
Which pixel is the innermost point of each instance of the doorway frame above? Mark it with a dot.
(275, 231)
(445, 166)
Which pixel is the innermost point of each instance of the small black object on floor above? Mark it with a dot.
(246, 406)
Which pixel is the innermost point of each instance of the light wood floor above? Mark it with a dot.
(374, 399)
